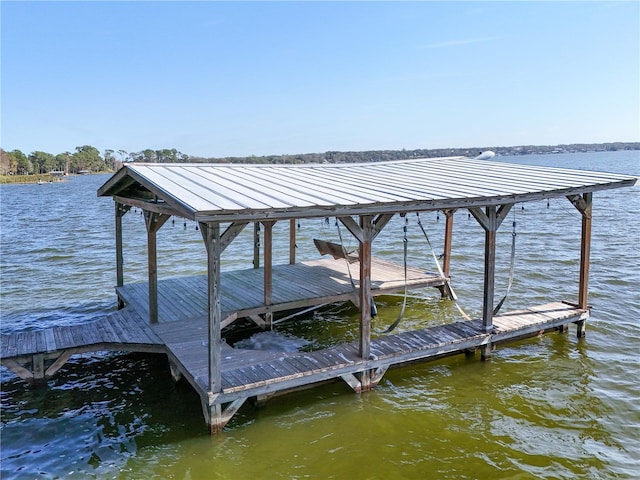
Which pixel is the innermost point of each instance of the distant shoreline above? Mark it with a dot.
(362, 156)
(384, 155)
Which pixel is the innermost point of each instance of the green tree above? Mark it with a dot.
(5, 163)
(21, 162)
(63, 162)
(87, 158)
(110, 159)
(42, 162)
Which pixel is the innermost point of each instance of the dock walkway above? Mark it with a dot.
(242, 291)
(181, 333)
(248, 373)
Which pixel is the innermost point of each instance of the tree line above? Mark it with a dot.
(85, 159)
(89, 159)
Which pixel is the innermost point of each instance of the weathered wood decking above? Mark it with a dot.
(248, 373)
(181, 333)
(304, 284)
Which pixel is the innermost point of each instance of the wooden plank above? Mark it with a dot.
(40, 343)
(62, 340)
(50, 341)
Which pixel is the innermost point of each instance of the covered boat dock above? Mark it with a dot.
(185, 317)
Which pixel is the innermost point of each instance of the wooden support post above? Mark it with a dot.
(153, 221)
(211, 235)
(583, 204)
(38, 374)
(38, 369)
(256, 245)
(364, 341)
(217, 415)
(152, 257)
(489, 270)
(120, 211)
(292, 241)
(176, 374)
(490, 221)
(445, 290)
(213, 417)
(268, 270)
(448, 237)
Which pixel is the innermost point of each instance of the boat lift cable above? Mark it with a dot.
(452, 294)
(405, 242)
(511, 266)
(346, 255)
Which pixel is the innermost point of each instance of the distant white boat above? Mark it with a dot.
(486, 155)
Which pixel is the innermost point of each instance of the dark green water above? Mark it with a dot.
(549, 407)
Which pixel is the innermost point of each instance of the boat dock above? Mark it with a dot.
(38, 354)
(184, 318)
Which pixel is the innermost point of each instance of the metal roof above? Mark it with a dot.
(226, 192)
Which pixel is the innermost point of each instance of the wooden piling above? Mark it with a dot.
(154, 222)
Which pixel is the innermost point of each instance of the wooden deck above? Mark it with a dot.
(181, 333)
(242, 291)
(247, 373)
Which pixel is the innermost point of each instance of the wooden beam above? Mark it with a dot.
(353, 381)
(582, 203)
(256, 245)
(268, 269)
(231, 233)
(484, 220)
(378, 373)
(292, 241)
(584, 206)
(218, 416)
(489, 268)
(154, 222)
(364, 297)
(152, 206)
(259, 321)
(211, 236)
(401, 207)
(229, 319)
(351, 225)
(38, 368)
(490, 220)
(379, 223)
(19, 370)
(448, 238)
(120, 212)
(59, 362)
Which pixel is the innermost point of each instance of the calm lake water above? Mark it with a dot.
(549, 407)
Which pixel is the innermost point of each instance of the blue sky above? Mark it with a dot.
(243, 78)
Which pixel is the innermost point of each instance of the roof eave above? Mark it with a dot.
(400, 207)
(125, 177)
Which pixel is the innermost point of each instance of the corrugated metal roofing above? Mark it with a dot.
(209, 192)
